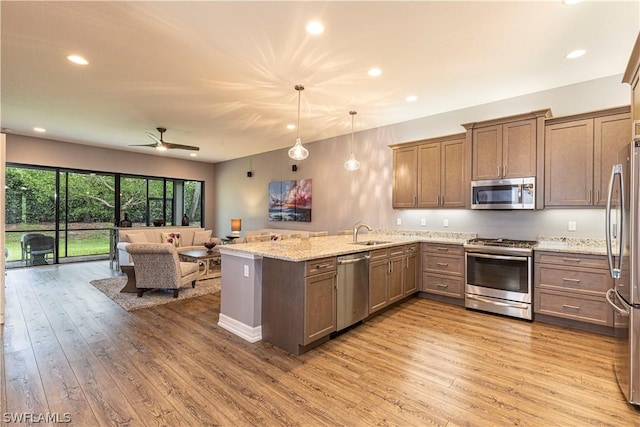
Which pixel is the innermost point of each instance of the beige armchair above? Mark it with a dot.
(157, 265)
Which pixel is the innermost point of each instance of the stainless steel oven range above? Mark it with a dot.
(499, 276)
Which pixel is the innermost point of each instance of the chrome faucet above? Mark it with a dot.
(357, 228)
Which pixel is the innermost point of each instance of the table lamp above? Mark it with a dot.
(236, 226)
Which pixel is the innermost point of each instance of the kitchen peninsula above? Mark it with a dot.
(264, 283)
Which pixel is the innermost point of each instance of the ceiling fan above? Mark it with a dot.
(160, 144)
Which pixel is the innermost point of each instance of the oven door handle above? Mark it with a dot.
(494, 302)
(503, 257)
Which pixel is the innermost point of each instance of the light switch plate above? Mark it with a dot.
(423, 221)
(246, 271)
(572, 226)
(445, 222)
(398, 221)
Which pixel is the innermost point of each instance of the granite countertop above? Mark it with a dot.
(319, 247)
(572, 245)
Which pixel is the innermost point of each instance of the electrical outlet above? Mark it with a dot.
(398, 221)
(423, 221)
(445, 222)
(246, 271)
(572, 226)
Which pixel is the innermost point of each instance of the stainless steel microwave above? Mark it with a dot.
(516, 193)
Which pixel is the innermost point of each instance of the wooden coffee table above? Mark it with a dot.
(208, 263)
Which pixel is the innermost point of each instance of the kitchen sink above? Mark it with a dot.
(371, 243)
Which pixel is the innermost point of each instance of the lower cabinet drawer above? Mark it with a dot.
(443, 285)
(591, 309)
(442, 264)
(588, 280)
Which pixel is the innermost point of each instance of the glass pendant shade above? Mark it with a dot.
(298, 152)
(352, 164)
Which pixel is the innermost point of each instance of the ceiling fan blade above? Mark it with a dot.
(143, 145)
(172, 146)
(155, 138)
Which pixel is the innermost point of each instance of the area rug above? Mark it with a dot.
(111, 288)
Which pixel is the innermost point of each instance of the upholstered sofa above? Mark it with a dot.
(190, 238)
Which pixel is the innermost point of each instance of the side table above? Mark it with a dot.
(130, 287)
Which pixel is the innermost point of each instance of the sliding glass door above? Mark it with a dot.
(70, 213)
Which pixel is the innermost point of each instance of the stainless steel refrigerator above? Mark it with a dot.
(622, 221)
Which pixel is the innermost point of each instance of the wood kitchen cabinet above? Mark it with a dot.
(298, 302)
(392, 275)
(632, 77)
(579, 154)
(443, 270)
(441, 177)
(405, 172)
(507, 147)
(430, 173)
(572, 286)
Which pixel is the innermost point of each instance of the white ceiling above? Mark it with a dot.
(221, 75)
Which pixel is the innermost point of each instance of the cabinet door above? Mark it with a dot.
(378, 278)
(487, 152)
(611, 134)
(452, 183)
(569, 163)
(319, 306)
(405, 177)
(519, 149)
(410, 282)
(429, 175)
(396, 274)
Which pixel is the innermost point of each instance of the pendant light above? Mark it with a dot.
(352, 164)
(298, 152)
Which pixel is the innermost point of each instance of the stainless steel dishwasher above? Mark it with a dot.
(352, 303)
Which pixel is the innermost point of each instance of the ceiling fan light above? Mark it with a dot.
(298, 152)
(352, 164)
(161, 148)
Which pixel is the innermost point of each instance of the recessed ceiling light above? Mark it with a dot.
(41, 130)
(315, 27)
(291, 127)
(374, 72)
(193, 154)
(411, 98)
(575, 54)
(76, 59)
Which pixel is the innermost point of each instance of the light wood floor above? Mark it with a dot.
(69, 349)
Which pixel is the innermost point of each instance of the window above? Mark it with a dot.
(79, 208)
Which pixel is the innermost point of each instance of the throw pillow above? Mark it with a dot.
(137, 238)
(171, 238)
(200, 237)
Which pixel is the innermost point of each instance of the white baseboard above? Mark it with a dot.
(240, 329)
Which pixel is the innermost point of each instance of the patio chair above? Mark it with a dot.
(38, 248)
(24, 239)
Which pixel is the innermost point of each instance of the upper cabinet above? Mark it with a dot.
(506, 147)
(579, 154)
(430, 173)
(405, 177)
(632, 76)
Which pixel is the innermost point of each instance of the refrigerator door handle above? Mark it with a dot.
(613, 269)
(623, 311)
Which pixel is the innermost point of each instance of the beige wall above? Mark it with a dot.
(46, 152)
(342, 198)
